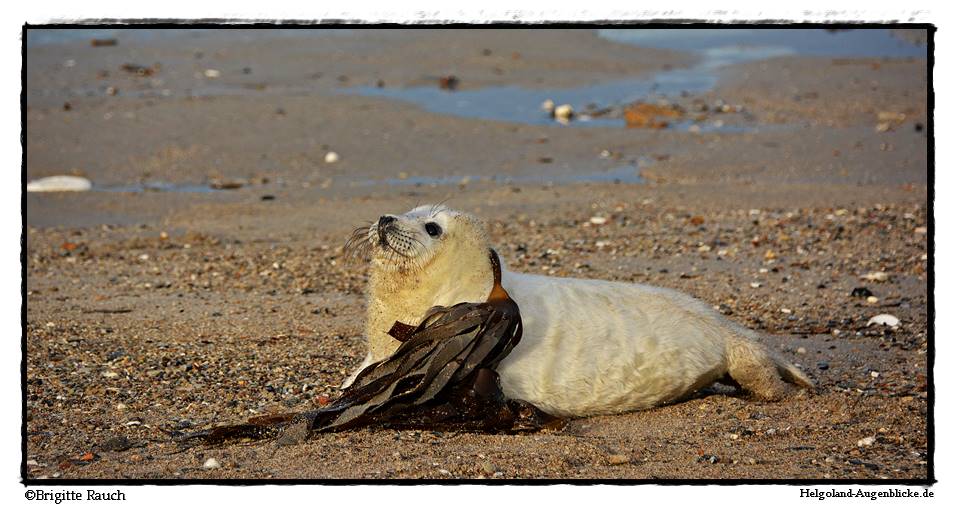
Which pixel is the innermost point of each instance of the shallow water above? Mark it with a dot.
(715, 47)
(626, 174)
(733, 45)
(156, 187)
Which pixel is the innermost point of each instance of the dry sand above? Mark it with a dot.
(154, 311)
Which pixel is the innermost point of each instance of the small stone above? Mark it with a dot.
(212, 73)
(769, 255)
(872, 300)
(110, 375)
(875, 374)
(884, 320)
(823, 365)
(598, 220)
(293, 435)
(920, 230)
(563, 112)
(861, 292)
(618, 459)
(444, 472)
(704, 248)
(211, 464)
(331, 157)
(801, 350)
(786, 311)
(117, 444)
(487, 468)
(755, 285)
(865, 442)
(877, 276)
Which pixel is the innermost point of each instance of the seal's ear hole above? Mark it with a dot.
(433, 230)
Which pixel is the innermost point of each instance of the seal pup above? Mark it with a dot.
(589, 346)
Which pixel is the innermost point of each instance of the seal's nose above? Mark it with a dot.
(385, 221)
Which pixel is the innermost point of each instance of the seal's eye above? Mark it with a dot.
(432, 229)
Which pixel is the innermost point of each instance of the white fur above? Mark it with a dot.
(589, 346)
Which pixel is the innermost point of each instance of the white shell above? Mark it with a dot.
(563, 111)
(59, 183)
(877, 276)
(884, 319)
(331, 157)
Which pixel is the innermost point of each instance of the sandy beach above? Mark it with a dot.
(156, 302)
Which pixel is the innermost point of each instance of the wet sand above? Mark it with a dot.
(159, 310)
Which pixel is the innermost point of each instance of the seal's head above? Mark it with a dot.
(430, 255)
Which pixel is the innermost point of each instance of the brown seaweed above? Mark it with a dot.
(442, 377)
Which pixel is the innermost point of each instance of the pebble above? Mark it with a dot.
(293, 435)
(598, 220)
(331, 157)
(487, 468)
(563, 112)
(872, 300)
(117, 444)
(877, 276)
(885, 320)
(618, 459)
(755, 285)
(865, 442)
(920, 230)
(801, 350)
(211, 464)
(823, 365)
(212, 73)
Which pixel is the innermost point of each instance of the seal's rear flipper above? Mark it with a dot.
(761, 372)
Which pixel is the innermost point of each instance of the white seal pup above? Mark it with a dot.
(589, 346)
